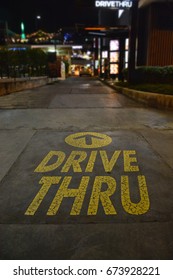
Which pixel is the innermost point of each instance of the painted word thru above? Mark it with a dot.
(102, 190)
(98, 196)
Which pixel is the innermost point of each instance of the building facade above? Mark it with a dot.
(138, 35)
(155, 33)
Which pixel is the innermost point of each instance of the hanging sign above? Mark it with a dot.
(125, 4)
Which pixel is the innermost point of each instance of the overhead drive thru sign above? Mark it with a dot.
(114, 4)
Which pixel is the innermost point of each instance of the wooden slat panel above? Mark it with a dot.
(160, 48)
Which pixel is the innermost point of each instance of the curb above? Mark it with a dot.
(8, 87)
(155, 100)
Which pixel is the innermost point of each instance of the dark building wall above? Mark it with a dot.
(155, 37)
(109, 17)
(143, 33)
(160, 48)
(160, 44)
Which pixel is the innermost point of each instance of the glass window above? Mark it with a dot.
(104, 54)
(127, 44)
(114, 56)
(126, 56)
(114, 69)
(114, 45)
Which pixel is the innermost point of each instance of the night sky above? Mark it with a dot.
(54, 14)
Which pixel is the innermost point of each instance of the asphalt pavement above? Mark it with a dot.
(86, 173)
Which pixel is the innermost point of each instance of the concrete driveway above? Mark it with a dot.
(86, 173)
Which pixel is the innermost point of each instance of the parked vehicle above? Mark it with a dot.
(85, 71)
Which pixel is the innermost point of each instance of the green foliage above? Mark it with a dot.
(4, 62)
(125, 73)
(152, 74)
(155, 88)
(37, 57)
(18, 63)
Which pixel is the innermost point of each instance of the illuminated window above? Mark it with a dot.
(104, 54)
(126, 52)
(96, 64)
(114, 69)
(114, 45)
(114, 56)
(126, 56)
(127, 44)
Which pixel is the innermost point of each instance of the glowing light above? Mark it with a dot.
(23, 36)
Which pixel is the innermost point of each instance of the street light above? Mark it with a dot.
(38, 18)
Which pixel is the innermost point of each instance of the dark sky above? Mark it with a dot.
(54, 14)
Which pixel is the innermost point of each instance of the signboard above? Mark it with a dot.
(125, 4)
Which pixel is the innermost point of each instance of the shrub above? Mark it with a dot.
(17, 63)
(152, 74)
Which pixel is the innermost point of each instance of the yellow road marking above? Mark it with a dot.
(98, 195)
(128, 160)
(88, 140)
(135, 208)
(43, 167)
(47, 183)
(63, 191)
(103, 190)
(74, 160)
(103, 196)
(108, 165)
(91, 161)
